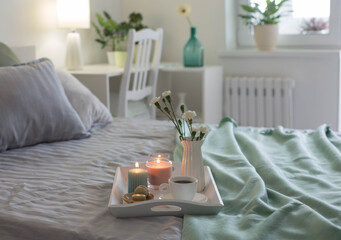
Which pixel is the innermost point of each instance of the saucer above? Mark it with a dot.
(198, 197)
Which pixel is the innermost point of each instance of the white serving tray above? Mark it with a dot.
(161, 207)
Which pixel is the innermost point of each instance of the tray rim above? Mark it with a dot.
(218, 204)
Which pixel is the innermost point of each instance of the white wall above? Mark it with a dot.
(316, 74)
(317, 77)
(33, 22)
(207, 16)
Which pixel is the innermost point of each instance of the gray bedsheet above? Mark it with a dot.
(61, 190)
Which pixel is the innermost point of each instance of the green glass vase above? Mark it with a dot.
(193, 51)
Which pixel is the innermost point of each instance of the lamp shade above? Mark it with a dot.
(73, 14)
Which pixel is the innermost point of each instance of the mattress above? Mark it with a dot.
(61, 190)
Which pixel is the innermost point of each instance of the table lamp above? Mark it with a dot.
(73, 14)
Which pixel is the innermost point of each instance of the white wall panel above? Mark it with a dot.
(33, 22)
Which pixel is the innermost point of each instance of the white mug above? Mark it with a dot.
(182, 187)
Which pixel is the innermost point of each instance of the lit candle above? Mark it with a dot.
(136, 176)
(160, 155)
(159, 171)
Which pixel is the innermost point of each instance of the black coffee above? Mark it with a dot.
(183, 181)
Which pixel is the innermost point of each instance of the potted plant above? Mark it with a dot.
(135, 22)
(106, 36)
(114, 36)
(315, 26)
(264, 23)
(121, 43)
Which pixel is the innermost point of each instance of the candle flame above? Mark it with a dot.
(137, 165)
(158, 161)
(159, 155)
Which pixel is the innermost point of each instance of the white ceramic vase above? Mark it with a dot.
(192, 164)
(266, 36)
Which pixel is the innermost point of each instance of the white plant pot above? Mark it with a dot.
(266, 36)
(111, 58)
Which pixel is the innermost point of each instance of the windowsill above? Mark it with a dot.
(279, 53)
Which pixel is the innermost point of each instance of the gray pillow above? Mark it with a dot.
(90, 109)
(34, 107)
(7, 56)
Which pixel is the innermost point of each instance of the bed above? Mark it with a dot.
(61, 190)
(275, 183)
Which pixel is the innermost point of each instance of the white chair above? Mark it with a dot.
(138, 85)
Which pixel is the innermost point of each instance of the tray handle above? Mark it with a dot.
(168, 207)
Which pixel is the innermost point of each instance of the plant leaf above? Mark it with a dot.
(100, 19)
(248, 8)
(102, 42)
(246, 16)
(269, 16)
(97, 30)
(107, 15)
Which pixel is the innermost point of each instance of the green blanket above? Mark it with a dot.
(275, 184)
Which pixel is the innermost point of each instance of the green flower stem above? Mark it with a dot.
(193, 135)
(171, 106)
(172, 112)
(182, 108)
(176, 126)
(189, 125)
(171, 118)
(179, 131)
(189, 21)
(184, 127)
(201, 136)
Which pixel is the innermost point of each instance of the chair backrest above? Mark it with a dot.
(139, 82)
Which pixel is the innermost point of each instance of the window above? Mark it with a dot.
(311, 23)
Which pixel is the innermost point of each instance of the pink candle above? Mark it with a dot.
(159, 171)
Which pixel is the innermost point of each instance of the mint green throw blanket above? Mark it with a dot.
(275, 184)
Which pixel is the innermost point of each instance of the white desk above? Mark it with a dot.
(203, 87)
(97, 78)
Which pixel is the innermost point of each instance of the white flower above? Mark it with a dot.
(195, 128)
(183, 10)
(154, 100)
(166, 93)
(203, 129)
(189, 115)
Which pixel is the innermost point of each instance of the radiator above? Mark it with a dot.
(259, 101)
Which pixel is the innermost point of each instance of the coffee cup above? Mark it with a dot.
(182, 187)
